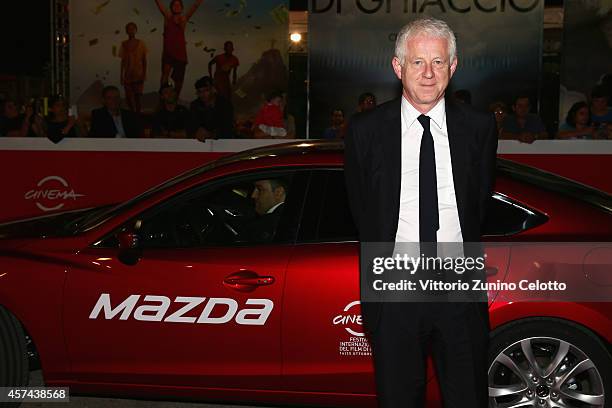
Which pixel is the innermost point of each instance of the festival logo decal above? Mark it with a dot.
(355, 343)
(52, 193)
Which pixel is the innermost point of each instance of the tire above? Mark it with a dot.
(14, 370)
(572, 365)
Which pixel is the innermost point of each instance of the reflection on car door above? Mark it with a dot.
(196, 310)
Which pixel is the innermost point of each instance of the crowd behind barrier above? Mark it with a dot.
(211, 116)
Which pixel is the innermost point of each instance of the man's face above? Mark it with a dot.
(112, 100)
(10, 109)
(425, 71)
(265, 197)
(58, 108)
(168, 96)
(228, 48)
(205, 92)
(500, 114)
(599, 103)
(582, 116)
(521, 107)
(176, 7)
(131, 30)
(337, 118)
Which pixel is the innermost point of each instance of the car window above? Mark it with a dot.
(246, 210)
(327, 217)
(508, 217)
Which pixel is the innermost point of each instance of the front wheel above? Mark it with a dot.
(548, 363)
(14, 370)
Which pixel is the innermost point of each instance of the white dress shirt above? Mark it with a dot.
(412, 132)
(118, 124)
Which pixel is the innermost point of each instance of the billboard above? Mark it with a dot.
(257, 29)
(352, 43)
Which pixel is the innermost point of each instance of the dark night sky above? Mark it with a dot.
(25, 37)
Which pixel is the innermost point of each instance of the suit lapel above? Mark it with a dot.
(458, 145)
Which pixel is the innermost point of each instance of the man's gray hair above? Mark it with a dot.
(429, 27)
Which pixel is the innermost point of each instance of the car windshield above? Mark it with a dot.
(64, 224)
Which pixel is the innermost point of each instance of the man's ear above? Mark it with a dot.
(397, 67)
(453, 67)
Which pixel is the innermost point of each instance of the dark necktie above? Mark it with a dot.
(428, 190)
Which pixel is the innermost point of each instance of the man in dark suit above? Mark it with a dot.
(112, 121)
(269, 197)
(421, 170)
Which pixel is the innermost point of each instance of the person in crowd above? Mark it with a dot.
(500, 110)
(577, 123)
(366, 102)
(288, 119)
(337, 128)
(59, 124)
(212, 114)
(463, 96)
(601, 113)
(522, 125)
(112, 121)
(16, 124)
(171, 119)
(226, 64)
(133, 54)
(174, 53)
(607, 134)
(269, 121)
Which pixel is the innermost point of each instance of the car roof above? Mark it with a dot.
(517, 171)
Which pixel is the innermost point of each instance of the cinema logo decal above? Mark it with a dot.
(52, 193)
(355, 344)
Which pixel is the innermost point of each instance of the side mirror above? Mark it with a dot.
(128, 240)
(129, 251)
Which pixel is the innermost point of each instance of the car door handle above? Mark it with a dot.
(247, 281)
(258, 281)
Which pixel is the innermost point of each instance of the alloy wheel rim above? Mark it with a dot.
(544, 372)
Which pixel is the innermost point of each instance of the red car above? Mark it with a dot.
(171, 295)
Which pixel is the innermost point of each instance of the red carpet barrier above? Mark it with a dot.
(40, 177)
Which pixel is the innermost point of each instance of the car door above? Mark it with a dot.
(197, 303)
(324, 348)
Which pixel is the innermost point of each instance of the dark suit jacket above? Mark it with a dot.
(103, 125)
(263, 227)
(373, 172)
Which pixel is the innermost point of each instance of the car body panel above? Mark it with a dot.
(308, 351)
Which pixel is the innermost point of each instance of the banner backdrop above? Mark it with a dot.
(258, 30)
(587, 51)
(352, 43)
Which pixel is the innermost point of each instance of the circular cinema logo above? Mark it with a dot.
(351, 320)
(52, 193)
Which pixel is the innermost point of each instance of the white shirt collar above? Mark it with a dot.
(437, 113)
(271, 210)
